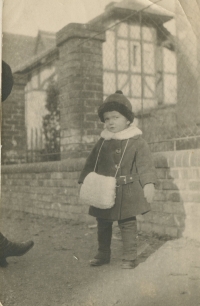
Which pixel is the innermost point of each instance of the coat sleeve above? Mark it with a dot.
(144, 164)
(90, 162)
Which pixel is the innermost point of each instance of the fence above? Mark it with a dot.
(37, 150)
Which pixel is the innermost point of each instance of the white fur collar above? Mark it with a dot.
(130, 132)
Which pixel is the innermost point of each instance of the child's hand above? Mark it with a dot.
(149, 191)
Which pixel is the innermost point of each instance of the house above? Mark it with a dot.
(35, 58)
(139, 57)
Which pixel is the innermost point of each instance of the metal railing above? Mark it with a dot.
(37, 150)
(174, 144)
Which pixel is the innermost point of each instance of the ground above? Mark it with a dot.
(56, 271)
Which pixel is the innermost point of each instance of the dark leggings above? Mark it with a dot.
(128, 228)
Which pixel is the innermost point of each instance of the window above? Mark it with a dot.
(135, 56)
(135, 50)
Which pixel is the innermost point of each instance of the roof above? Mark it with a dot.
(148, 7)
(36, 60)
(45, 41)
(24, 51)
(19, 49)
(126, 8)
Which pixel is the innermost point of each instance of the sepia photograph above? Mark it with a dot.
(100, 153)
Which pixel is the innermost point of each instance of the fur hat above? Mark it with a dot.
(116, 102)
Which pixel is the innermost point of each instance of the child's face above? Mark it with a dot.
(115, 122)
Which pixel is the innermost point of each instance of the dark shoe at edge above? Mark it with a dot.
(17, 249)
(129, 264)
(99, 262)
(9, 249)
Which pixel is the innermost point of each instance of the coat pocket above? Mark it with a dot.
(133, 189)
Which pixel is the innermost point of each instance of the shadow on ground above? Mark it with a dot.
(56, 270)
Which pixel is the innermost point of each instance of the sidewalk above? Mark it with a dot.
(56, 271)
(169, 277)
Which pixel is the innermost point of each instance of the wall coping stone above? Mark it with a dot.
(69, 165)
(184, 158)
(79, 30)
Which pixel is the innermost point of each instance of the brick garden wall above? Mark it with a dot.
(176, 207)
(48, 189)
(51, 189)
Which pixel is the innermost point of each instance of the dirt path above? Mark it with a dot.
(56, 271)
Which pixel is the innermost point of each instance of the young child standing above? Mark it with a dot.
(136, 176)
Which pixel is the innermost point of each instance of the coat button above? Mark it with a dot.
(116, 166)
(118, 151)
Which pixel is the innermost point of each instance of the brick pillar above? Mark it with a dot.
(13, 124)
(80, 79)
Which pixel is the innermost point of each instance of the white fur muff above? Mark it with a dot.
(98, 191)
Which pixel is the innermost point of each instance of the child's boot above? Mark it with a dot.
(104, 233)
(8, 249)
(129, 232)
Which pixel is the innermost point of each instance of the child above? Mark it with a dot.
(135, 178)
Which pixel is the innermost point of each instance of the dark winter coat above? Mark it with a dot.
(137, 161)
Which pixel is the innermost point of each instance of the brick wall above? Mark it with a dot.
(48, 189)
(51, 189)
(13, 124)
(176, 207)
